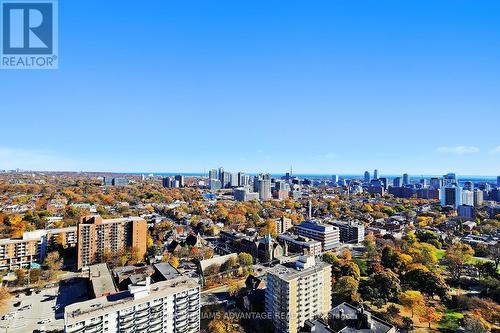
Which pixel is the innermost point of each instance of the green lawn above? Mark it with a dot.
(450, 319)
(440, 254)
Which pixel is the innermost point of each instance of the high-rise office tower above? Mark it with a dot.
(406, 179)
(180, 179)
(97, 237)
(436, 183)
(367, 177)
(241, 179)
(214, 184)
(498, 181)
(167, 182)
(450, 179)
(221, 174)
(212, 174)
(396, 182)
(119, 181)
(226, 179)
(478, 197)
(467, 198)
(245, 180)
(107, 181)
(384, 181)
(469, 186)
(298, 291)
(451, 196)
(423, 182)
(264, 189)
(234, 180)
(335, 178)
(375, 174)
(281, 189)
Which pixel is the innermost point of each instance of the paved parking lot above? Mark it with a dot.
(42, 307)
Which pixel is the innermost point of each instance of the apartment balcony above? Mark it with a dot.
(76, 328)
(141, 314)
(127, 330)
(157, 315)
(141, 308)
(195, 329)
(182, 310)
(156, 328)
(95, 323)
(142, 327)
(156, 311)
(181, 317)
(155, 321)
(180, 328)
(181, 302)
(126, 318)
(156, 308)
(194, 319)
(141, 320)
(126, 325)
(193, 316)
(94, 329)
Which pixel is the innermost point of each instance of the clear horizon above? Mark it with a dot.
(161, 173)
(325, 86)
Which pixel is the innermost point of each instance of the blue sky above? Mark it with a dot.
(325, 86)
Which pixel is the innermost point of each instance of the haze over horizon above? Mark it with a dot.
(328, 87)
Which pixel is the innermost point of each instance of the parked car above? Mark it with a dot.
(9, 316)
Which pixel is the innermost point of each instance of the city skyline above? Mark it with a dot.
(206, 172)
(325, 87)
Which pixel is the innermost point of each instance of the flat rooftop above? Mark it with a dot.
(299, 239)
(289, 271)
(100, 306)
(97, 219)
(316, 225)
(101, 280)
(166, 270)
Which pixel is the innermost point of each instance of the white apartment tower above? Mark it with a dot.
(296, 292)
(171, 306)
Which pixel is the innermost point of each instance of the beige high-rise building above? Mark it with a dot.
(298, 291)
(283, 224)
(33, 246)
(97, 236)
